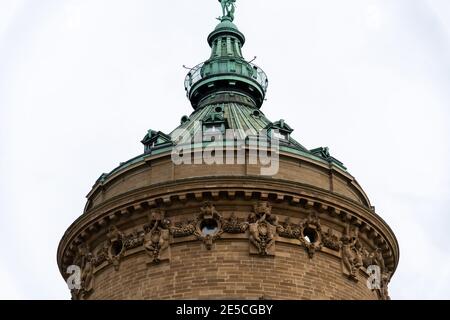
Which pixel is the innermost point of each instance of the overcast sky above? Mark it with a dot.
(81, 81)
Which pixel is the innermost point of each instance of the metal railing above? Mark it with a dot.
(195, 75)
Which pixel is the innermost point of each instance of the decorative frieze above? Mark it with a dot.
(262, 228)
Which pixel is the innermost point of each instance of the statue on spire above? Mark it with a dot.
(228, 8)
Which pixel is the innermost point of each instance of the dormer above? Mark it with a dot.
(279, 130)
(214, 123)
(324, 153)
(155, 140)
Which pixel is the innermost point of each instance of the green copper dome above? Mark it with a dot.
(226, 27)
(226, 92)
(226, 24)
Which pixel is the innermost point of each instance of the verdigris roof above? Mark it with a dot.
(236, 116)
(226, 92)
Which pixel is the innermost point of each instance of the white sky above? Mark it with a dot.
(81, 81)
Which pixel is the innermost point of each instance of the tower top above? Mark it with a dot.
(226, 71)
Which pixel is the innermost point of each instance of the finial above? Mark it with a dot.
(228, 8)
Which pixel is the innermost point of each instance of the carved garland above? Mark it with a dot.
(209, 225)
(188, 228)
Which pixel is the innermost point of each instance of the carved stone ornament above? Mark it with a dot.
(311, 234)
(183, 229)
(102, 254)
(134, 240)
(87, 274)
(263, 210)
(352, 253)
(86, 264)
(262, 227)
(234, 225)
(330, 240)
(383, 291)
(376, 258)
(156, 238)
(208, 225)
(115, 247)
(289, 230)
